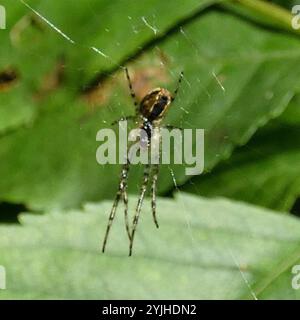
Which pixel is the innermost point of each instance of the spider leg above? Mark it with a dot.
(153, 191)
(132, 93)
(139, 204)
(178, 86)
(125, 198)
(120, 193)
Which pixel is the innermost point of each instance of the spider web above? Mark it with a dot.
(101, 52)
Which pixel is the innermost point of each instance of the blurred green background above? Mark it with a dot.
(231, 233)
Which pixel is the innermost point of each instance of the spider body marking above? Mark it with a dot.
(155, 104)
(151, 111)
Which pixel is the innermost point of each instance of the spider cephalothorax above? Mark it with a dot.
(150, 113)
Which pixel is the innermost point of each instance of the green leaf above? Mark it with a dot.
(204, 249)
(291, 116)
(235, 82)
(117, 29)
(264, 13)
(266, 171)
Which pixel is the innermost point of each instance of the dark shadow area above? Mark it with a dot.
(9, 212)
(296, 208)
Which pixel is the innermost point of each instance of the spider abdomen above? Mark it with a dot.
(155, 104)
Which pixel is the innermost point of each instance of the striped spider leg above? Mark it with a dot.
(150, 113)
(121, 193)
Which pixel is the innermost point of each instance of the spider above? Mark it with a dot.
(149, 113)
